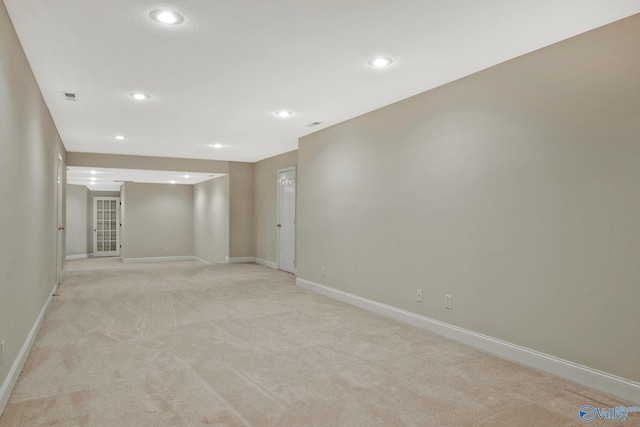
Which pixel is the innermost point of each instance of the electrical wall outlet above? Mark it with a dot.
(324, 271)
(419, 295)
(447, 302)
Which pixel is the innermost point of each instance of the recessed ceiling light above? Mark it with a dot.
(187, 176)
(140, 96)
(119, 137)
(283, 113)
(93, 172)
(168, 17)
(93, 179)
(380, 61)
(173, 182)
(217, 145)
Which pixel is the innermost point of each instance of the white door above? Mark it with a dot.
(106, 226)
(287, 220)
(59, 223)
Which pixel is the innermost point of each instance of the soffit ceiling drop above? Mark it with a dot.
(219, 76)
(109, 179)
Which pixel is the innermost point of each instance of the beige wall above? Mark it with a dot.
(158, 220)
(266, 203)
(211, 220)
(29, 143)
(515, 190)
(241, 234)
(79, 220)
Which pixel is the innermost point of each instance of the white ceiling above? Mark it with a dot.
(109, 179)
(219, 76)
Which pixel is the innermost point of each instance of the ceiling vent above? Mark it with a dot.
(69, 96)
(310, 125)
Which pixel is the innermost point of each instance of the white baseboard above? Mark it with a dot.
(80, 256)
(266, 263)
(200, 260)
(161, 259)
(260, 261)
(242, 259)
(18, 364)
(614, 385)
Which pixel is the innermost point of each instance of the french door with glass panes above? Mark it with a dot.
(106, 226)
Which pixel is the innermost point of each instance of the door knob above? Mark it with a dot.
(279, 225)
(61, 228)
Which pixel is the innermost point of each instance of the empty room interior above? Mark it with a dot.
(319, 213)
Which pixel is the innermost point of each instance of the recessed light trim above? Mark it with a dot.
(217, 145)
(283, 114)
(119, 137)
(166, 17)
(139, 96)
(380, 61)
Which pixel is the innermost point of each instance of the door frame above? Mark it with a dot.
(295, 209)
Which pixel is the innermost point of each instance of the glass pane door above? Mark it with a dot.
(106, 225)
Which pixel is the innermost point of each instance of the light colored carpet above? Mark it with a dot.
(187, 344)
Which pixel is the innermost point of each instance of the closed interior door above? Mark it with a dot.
(287, 220)
(106, 226)
(59, 223)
